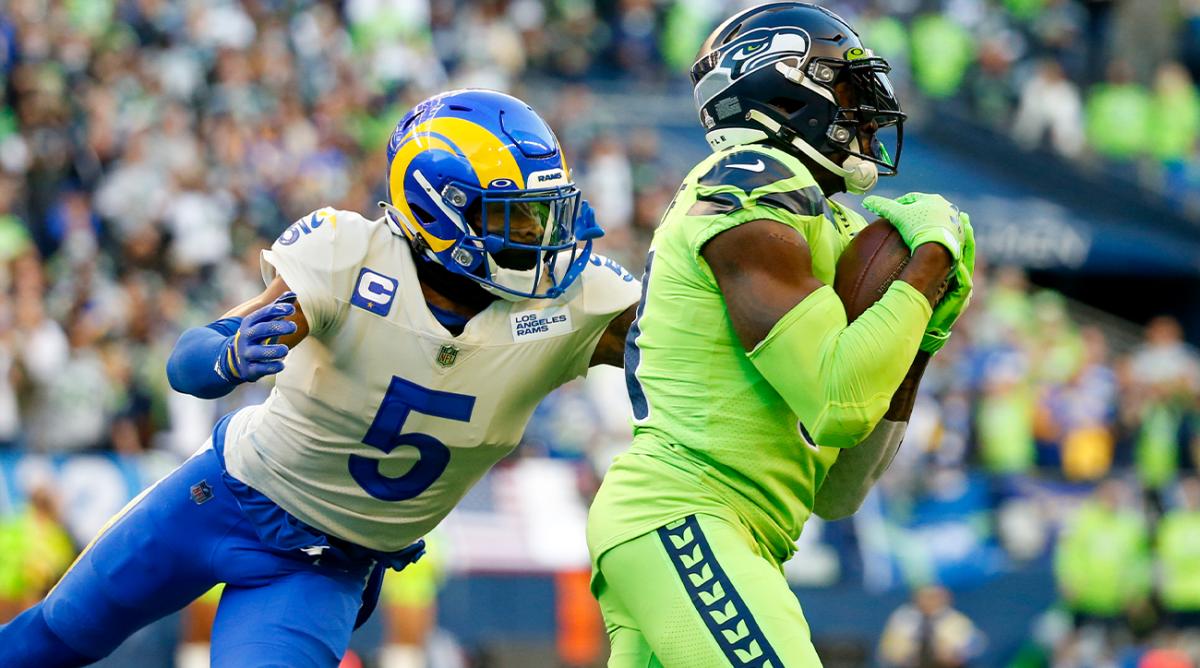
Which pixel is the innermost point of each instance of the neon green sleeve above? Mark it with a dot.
(838, 378)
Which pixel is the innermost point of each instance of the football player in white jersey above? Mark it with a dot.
(410, 351)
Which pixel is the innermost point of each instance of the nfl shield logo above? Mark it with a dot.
(201, 492)
(447, 355)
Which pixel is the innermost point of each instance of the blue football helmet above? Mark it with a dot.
(478, 184)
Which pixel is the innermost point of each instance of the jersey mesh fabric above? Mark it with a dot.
(710, 433)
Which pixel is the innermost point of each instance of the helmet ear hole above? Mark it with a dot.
(788, 105)
(423, 216)
(473, 214)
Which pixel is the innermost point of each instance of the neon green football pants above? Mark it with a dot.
(699, 593)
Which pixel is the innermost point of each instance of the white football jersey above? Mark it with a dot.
(381, 419)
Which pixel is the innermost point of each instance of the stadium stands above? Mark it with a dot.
(150, 148)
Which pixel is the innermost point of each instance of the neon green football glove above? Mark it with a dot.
(921, 219)
(956, 299)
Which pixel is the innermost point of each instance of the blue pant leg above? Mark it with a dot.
(153, 558)
(28, 641)
(299, 620)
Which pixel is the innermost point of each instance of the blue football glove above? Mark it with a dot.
(252, 352)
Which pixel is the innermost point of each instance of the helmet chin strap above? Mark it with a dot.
(860, 175)
(402, 227)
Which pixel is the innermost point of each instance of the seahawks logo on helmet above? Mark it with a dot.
(749, 53)
(759, 48)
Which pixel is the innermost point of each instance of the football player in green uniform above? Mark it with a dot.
(755, 402)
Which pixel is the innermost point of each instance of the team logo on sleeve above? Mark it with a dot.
(613, 266)
(306, 226)
(541, 324)
(374, 292)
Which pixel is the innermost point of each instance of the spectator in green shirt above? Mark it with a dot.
(1118, 115)
(1176, 123)
(686, 24)
(35, 551)
(1004, 421)
(1164, 379)
(1176, 114)
(942, 51)
(1024, 10)
(887, 36)
(1102, 560)
(1178, 552)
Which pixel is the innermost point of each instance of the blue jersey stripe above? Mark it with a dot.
(633, 354)
(714, 597)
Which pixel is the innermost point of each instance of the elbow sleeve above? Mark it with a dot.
(857, 470)
(839, 378)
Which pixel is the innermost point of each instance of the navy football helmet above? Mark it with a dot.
(798, 74)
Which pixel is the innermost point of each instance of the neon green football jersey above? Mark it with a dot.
(711, 435)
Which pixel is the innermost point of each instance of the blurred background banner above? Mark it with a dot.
(1044, 509)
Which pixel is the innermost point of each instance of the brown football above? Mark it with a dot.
(874, 258)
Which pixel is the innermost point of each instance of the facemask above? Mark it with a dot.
(860, 175)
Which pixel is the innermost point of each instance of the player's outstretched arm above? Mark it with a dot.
(247, 343)
(851, 477)
(276, 289)
(838, 378)
(611, 347)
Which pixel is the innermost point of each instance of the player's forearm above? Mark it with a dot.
(839, 378)
(194, 365)
(208, 362)
(857, 470)
(906, 395)
(927, 270)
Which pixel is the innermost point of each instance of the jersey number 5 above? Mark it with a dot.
(402, 398)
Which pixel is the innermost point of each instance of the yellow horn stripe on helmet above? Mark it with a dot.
(403, 158)
(489, 156)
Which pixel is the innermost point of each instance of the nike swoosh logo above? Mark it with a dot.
(758, 166)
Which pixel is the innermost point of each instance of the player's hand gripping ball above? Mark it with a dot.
(921, 219)
(879, 253)
(253, 352)
(951, 306)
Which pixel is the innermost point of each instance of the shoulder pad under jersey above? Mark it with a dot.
(757, 175)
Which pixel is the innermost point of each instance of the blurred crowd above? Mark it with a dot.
(1033, 391)
(1110, 84)
(149, 149)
